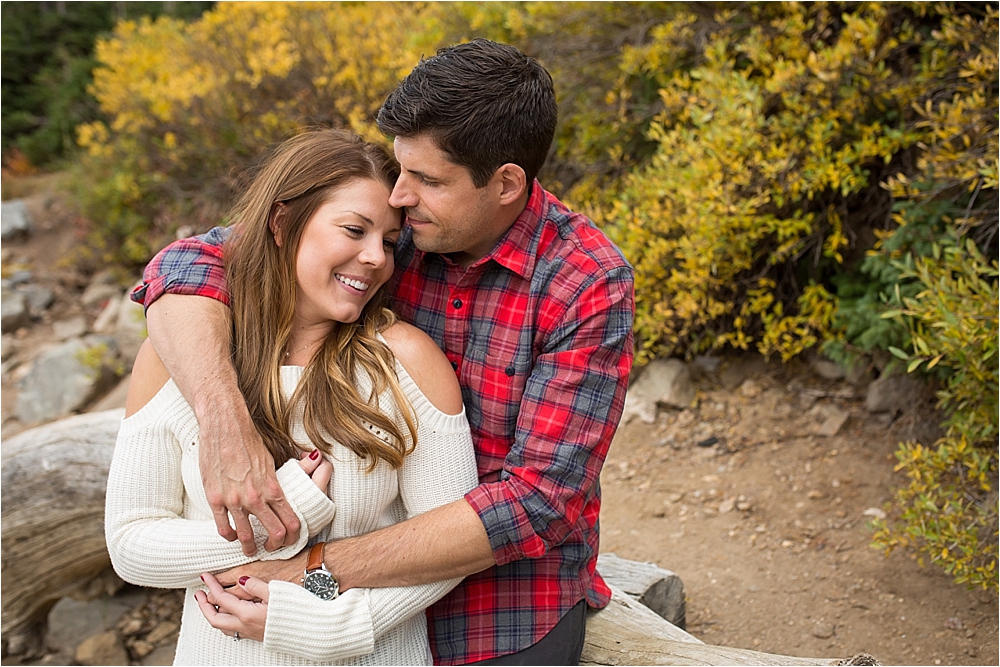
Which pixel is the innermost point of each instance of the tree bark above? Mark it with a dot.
(54, 478)
(628, 633)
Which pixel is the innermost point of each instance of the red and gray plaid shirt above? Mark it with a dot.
(540, 334)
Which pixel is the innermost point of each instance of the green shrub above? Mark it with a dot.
(949, 508)
(191, 105)
(864, 293)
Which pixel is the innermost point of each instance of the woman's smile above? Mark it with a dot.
(354, 284)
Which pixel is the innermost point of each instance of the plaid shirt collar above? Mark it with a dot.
(513, 250)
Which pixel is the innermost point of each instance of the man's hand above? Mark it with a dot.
(191, 335)
(290, 570)
(239, 478)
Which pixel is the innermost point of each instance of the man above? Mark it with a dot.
(532, 305)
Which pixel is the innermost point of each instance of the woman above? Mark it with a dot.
(361, 413)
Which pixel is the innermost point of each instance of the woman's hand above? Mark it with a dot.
(318, 468)
(228, 613)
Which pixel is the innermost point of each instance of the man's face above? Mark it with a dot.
(447, 212)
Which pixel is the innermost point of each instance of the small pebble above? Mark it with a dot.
(822, 630)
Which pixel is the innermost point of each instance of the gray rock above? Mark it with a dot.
(103, 649)
(38, 297)
(666, 381)
(638, 406)
(827, 369)
(71, 328)
(822, 630)
(750, 388)
(15, 220)
(72, 621)
(707, 364)
(99, 292)
(833, 423)
(21, 277)
(894, 393)
(13, 310)
(66, 378)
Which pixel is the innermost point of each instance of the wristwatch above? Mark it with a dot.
(317, 579)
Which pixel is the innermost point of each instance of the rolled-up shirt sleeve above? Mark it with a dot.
(192, 266)
(572, 402)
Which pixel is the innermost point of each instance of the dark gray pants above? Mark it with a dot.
(561, 646)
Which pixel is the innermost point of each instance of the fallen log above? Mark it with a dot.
(628, 633)
(658, 589)
(54, 478)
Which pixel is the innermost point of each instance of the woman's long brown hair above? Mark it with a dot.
(301, 174)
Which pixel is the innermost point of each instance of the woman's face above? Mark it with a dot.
(345, 253)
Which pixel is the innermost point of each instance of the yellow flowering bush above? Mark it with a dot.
(787, 120)
(189, 105)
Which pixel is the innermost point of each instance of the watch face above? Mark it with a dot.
(321, 584)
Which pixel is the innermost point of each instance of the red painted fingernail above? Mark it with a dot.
(202, 577)
(243, 580)
(314, 454)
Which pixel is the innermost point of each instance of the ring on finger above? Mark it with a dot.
(236, 636)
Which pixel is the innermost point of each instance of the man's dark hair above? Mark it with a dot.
(485, 104)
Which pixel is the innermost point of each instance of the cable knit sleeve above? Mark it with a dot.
(441, 469)
(158, 524)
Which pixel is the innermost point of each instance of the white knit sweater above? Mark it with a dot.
(160, 533)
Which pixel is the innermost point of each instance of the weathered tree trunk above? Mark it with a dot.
(54, 478)
(627, 633)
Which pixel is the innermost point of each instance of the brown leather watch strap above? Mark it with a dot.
(316, 557)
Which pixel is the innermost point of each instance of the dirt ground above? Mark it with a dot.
(768, 527)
